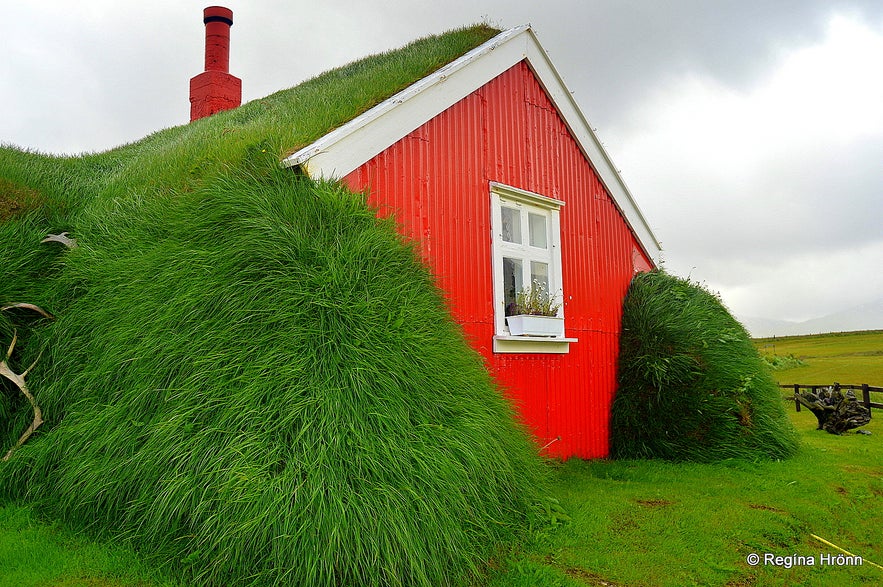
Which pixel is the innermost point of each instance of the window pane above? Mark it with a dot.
(512, 283)
(511, 218)
(539, 275)
(537, 223)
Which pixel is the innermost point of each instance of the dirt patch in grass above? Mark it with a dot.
(587, 578)
(582, 575)
(767, 508)
(863, 470)
(624, 523)
(654, 503)
(16, 200)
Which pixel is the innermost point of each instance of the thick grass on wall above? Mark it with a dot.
(691, 384)
(258, 383)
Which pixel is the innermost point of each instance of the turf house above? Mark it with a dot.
(281, 344)
(489, 165)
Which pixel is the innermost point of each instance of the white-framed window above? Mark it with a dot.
(526, 235)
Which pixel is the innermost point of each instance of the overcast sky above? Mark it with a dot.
(750, 132)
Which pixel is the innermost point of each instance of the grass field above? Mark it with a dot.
(632, 523)
(849, 357)
(38, 553)
(624, 523)
(648, 523)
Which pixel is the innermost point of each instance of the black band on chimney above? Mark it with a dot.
(209, 19)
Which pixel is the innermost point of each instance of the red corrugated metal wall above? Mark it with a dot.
(435, 181)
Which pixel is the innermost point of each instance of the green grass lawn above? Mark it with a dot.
(634, 523)
(660, 523)
(38, 553)
(850, 357)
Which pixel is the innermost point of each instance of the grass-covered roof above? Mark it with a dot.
(250, 376)
(274, 126)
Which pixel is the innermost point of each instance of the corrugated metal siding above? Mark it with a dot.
(435, 182)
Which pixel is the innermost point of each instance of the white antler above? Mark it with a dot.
(62, 238)
(19, 381)
(19, 378)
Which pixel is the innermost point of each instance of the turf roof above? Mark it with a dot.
(255, 133)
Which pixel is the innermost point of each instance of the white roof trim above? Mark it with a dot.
(346, 148)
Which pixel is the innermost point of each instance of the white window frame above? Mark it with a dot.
(503, 195)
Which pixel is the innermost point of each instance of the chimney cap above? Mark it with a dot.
(217, 14)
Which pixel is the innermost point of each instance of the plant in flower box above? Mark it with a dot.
(535, 313)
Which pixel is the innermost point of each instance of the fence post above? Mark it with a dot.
(866, 396)
(796, 392)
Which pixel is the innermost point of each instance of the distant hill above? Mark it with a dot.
(865, 317)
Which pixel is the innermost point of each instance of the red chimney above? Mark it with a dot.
(215, 89)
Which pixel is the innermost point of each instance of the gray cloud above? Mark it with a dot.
(627, 47)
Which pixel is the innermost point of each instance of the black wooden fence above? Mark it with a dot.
(864, 388)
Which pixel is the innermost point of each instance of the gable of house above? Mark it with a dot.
(436, 182)
(339, 152)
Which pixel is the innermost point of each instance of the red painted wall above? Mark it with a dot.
(435, 181)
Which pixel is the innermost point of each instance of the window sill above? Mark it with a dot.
(532, 344)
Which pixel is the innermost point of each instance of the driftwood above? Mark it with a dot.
(836, 412)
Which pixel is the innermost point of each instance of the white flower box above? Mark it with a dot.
(528, 325)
